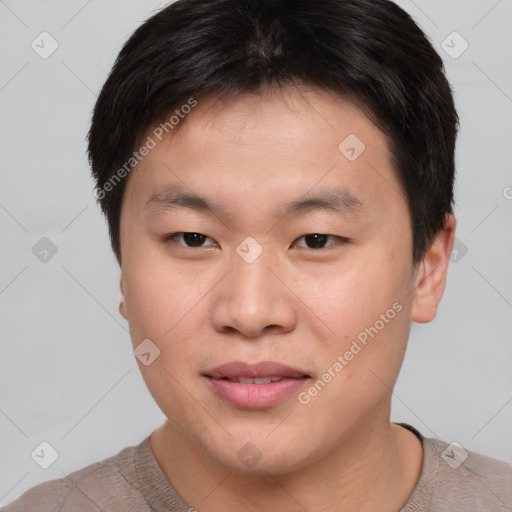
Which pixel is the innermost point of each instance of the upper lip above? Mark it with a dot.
(256, 370)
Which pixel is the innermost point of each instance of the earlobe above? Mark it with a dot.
(122, 303)
(432, 273)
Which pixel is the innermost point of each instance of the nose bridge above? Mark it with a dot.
(253, 276)
(252, 299)
(252, 287)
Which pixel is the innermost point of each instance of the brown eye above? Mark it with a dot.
(189, 239)
(318, 241)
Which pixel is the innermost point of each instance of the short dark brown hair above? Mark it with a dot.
(369, 50)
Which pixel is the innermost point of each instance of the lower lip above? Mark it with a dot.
(255, 396)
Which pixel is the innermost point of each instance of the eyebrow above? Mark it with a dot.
(337, 199)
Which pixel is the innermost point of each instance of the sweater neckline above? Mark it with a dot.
(162, 497)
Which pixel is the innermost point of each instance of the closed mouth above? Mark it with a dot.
(264, 372)
(255, 385)
(258, 380)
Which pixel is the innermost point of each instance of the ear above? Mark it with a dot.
(431, 274)
(122, 303)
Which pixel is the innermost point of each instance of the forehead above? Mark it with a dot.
(280, 145)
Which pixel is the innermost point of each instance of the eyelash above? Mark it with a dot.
(171, 237)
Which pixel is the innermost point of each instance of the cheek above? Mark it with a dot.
(157, 295)
(163, 308)
(359, 368)
(366, 310)
(348, 299)
(164, 305)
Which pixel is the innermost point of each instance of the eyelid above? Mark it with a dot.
(340, 241)
(170, 238)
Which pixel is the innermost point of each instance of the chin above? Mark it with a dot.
(260, 455)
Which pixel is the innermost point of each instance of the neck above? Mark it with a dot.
(376, 468)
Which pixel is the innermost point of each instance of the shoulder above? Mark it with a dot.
(98, 487)
(453, 478)
(469, 480)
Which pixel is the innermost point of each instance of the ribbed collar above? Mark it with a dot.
(158, 492)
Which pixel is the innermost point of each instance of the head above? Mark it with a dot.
(306, 150)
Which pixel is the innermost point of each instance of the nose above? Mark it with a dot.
(254, 300)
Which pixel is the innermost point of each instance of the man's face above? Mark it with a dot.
(324, 288)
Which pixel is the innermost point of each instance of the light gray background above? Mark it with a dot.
(67, 372)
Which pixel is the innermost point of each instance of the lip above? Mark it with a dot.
(257, 370)
(254, 396)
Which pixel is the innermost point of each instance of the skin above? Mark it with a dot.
(205, 306)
